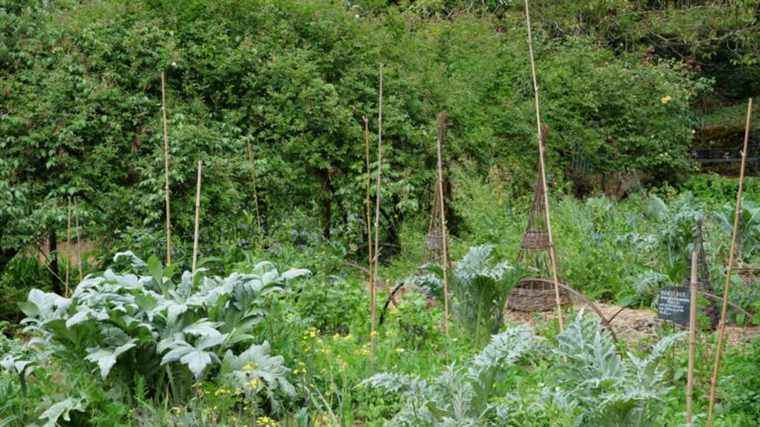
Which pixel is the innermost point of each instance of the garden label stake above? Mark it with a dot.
(166, 172)
(197, 215)
(368, 203)
(376, 252)
(255, 192)
(541, 163)
(444, 240)
(729, 267)
(692, 336)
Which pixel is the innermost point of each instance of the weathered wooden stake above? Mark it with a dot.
(542, 167)
(166, 172)
(68, 244)
(255, 192)
(368, 203)
(729, 267)
(444, 237)
(378, 198)
(197, 215)
(692, 337)
(79, 248)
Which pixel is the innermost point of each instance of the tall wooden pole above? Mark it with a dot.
(444, 237)
(378, 198)
(542, 167)
(692, 337)
(729, 267)
(255, 192)
(79, 247)
(368, 203)
(197, 215)
(68, 244)
(166, 172)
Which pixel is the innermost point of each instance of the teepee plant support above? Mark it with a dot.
(542, 173)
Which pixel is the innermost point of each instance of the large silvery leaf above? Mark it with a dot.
(196, 359)
(257, 363)
(45, 305)
(130, 257)
(61, 410)
(106, 357)
(295, 273)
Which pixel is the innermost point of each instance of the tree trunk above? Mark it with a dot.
(6, 255)
(55, 274)
(328, 191)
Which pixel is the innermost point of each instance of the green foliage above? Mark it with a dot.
(145, 325)
(601, 387)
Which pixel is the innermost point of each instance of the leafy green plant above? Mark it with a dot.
(461, 395)
(479, 286)
(601, 387)
(169, 333)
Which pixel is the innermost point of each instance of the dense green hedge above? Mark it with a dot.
(80, 115)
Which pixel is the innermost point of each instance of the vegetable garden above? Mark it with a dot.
(416, 213)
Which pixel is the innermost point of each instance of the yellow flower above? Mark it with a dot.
(399, 350)
(249, 367)
(254, 383)
(266, 422)
(373, 333)
(665, 99)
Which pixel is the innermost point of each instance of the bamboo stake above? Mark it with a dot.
(378, 198)
(444, 238)
(68, 243)
(692, 337)
(197, 215)
(166, 172)
(368, 203)
(542, 167)
(253, 184)
(729, 267)
(79, 248)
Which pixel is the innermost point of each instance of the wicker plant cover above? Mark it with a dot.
(535, 294)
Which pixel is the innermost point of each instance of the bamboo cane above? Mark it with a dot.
(729, 267)
(68, 242)
(197, 215)
(79, 248)
(692, 337)
(378, 198)
(444, 238)
(255, 192)
(166, 172)
(368, 203)
(542, 167)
